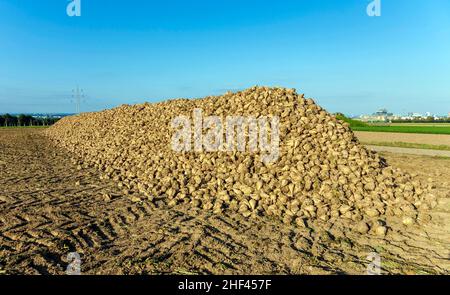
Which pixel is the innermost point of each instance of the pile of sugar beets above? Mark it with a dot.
(320, 173)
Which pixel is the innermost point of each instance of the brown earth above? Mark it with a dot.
(49, 207)
(432, 139)
(411, 151)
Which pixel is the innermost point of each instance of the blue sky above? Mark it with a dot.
(142, 50)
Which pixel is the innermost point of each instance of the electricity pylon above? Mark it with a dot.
(77, 95)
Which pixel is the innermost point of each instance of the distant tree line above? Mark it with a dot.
(8, 120)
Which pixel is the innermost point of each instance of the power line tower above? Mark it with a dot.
(77, 95)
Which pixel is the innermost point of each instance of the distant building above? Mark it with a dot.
(382, 115)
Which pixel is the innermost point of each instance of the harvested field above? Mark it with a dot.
(49, 208)
(410, 151)
(428, 139)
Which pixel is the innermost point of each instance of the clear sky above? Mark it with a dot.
(141, 50)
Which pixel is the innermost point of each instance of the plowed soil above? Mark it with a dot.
(49, 208)
(432, 139)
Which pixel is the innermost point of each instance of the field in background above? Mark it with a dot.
(439, 142)
(421, 124)
(410, 145)
(425, 136)
(423, 129)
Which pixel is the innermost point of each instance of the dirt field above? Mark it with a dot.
(411, 151)
(49, 208)
(432, 139)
